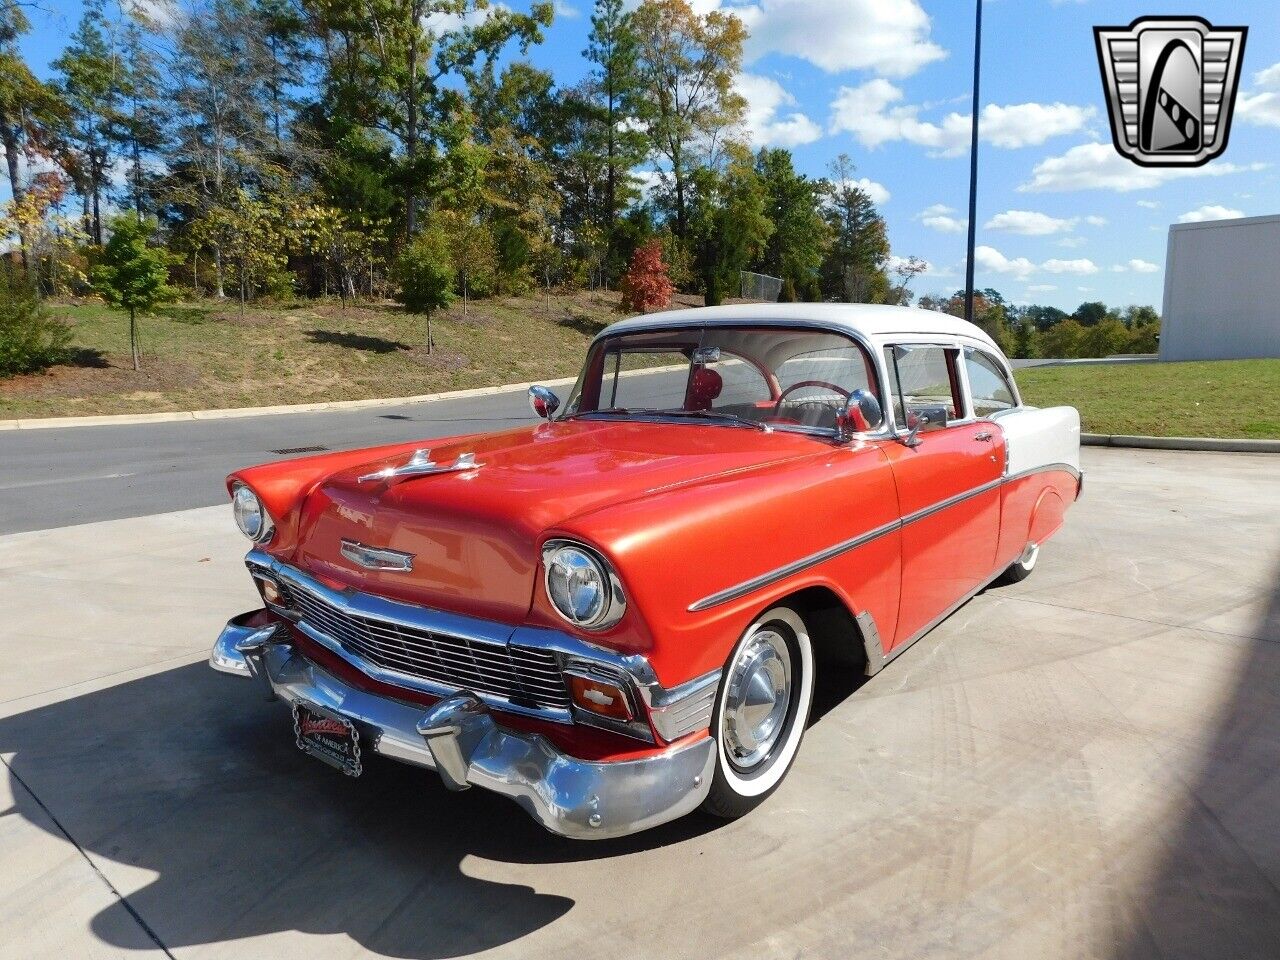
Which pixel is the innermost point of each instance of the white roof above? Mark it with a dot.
(875, 322)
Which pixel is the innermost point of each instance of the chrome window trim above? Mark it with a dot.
(856, 336)
(796, 566)
(900, 430)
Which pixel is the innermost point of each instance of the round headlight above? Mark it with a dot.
(251, 516)
(580, 586)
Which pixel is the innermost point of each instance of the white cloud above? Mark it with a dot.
(888, 37)
(1029, 223)
(566, 10)
(1096, 221)
(1149, 204)
(989, 258)
(1041, 288)
(765, 126)
(1210, 211)
(1263, 107)
(1136, 266)
(1097, 166)
(1030, 124)
(874, 114)
(1072, 243)
(441, 23)
(878, 192)
(1080, 267)
(939, 217)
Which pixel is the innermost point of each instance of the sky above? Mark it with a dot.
(1062, 218)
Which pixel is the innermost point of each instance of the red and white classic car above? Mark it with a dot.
(617, 615)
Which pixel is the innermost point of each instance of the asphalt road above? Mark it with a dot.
(1082, 765)
(68, 475)
(61, 476)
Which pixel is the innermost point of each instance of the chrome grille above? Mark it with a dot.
(519, 674)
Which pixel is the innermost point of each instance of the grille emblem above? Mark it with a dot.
(376, 558)
(1171, 88)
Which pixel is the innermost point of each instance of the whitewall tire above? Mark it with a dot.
(1021, 568)
(762, 708)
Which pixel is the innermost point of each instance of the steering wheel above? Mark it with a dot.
(777, 406)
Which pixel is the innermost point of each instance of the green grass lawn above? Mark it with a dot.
(205, 355)
(1219, 398)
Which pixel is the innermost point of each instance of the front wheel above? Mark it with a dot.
(761, 712)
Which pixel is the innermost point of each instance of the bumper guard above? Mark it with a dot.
(459, 739)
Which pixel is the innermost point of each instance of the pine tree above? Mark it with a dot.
(139, 130)
(854, 267)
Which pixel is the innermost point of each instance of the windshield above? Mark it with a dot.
(750, 376)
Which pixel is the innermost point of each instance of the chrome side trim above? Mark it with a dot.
(1045, 468)
(684, 708)
(796, 566)
(375, 558)
(804, 563)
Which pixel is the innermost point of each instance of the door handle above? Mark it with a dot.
(985, 436)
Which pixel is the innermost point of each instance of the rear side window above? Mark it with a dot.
(922, 376)
(988, 386)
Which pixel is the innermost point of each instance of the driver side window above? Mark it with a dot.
(922, 376)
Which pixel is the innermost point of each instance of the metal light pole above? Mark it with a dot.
(973, 169)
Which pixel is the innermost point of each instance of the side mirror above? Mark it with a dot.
(543, 401)
(862, 413)
(924, 419)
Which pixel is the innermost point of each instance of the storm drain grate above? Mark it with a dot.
(300, 450)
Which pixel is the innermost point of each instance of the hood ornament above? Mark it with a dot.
(421, 465)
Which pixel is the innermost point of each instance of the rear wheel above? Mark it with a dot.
(761, 712)
(1021, 568)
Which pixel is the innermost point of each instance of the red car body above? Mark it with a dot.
(706, 527)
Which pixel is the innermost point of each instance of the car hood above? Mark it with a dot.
(474, 534)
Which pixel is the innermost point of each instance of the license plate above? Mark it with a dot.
(327, 736)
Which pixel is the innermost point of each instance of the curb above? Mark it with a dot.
(232, 413)
(1207, 444)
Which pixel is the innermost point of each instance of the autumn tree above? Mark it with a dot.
(687, 63)
(133, 274)
(646, 285)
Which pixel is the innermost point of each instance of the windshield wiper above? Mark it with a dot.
(712, 415)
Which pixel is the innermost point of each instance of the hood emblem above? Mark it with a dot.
(376, 558)
(420, 465)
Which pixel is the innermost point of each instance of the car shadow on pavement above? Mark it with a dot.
(1215, 892)
(191, 776)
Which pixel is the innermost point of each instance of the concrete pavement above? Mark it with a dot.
(1081, 765)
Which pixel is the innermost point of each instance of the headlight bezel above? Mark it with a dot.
(615, 602)
(267, 528)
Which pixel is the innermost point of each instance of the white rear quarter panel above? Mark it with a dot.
(1036, 438)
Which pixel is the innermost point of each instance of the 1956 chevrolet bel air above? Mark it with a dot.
(617, 615)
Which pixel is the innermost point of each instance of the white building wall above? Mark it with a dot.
(1222, 290)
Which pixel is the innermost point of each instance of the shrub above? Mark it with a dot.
(646, 285)
(30, 339)
(788, 293)
(133, 274)
(1062, 340)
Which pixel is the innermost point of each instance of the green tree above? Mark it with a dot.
(800, 236)
(1044, 317)
(854, 268)
(472, 251)
(425, 272)
(90, 72)
(1063, 340)
(1025, 339)
(140, 124)
(729, 227)
(1090, 313)
(1105, 338)
(133, 274)
(615, 98)
(687, 64)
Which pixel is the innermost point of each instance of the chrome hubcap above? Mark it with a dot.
(759, 693)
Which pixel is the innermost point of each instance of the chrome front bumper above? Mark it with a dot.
(459, 739)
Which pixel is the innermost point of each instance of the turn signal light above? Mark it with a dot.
(271, 592)
(599, 697)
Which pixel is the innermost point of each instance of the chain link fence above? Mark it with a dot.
(759, 286)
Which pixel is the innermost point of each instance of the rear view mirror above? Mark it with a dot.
(862, 413)
(543, 401)
(922, 419)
